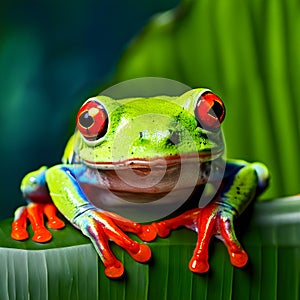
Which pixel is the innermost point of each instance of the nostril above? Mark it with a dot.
(174, 138)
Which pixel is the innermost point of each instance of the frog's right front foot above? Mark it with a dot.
(35, 212)
(101, 227)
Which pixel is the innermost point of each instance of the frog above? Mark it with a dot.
(140, 151)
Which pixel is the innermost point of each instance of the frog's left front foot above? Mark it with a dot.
(212, 220)
(102, 226)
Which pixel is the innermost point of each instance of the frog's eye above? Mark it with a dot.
(92, 120)
(210, 111)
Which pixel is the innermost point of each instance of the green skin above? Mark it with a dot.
(141, 134)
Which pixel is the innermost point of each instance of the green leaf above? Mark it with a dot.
(69, 268)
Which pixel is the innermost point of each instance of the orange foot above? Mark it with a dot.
(101, 227)
(212, 220)
(35, 213)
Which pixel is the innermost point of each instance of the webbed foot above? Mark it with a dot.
(211, 220)
(101, 227)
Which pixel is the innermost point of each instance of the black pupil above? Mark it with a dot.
(216, 110)
(86, 120)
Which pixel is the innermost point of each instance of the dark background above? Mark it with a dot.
(53, 55)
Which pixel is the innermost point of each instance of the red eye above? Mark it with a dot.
(92, 120)
(210, 111)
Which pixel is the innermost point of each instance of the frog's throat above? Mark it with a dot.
(156, 162)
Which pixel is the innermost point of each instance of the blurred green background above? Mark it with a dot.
(53, 55)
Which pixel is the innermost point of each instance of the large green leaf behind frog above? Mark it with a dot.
(137, 160)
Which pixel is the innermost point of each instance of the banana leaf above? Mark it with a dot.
(68, 266)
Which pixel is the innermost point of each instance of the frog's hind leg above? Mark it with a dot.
(35, 189)
(35, 213)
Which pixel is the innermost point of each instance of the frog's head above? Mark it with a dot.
(138, 132)
(151, 151)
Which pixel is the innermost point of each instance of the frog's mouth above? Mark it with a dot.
(142, 181)
(156, 162)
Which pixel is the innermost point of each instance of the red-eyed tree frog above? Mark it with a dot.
(128, 161)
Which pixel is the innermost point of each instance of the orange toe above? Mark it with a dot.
(161, 229)
(239, 259)
(56, 223)
(148, 233)
(143, 255)
(19, 234)
(42, 235)
(114, 271)
(198, 265)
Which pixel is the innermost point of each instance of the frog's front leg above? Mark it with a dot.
(100, 226)
(241, 183)
(34, 188)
